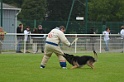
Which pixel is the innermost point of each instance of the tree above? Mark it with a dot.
(17, 3)
(33, 9)
(99, 10)
(106, 10)
(59, 9)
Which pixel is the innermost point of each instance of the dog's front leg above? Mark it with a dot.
(90, 64)
(73, 67)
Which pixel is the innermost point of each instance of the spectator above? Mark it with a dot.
(19, 38)
(27, 38)
(35, 40)
(51, 46)
(35, 30)
(122, 37)
(122, 32)
(2, 33)
(106, 38)
(92, 38)
(40, 39)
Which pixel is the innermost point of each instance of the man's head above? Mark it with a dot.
(28, 28)
(107, 29)
(62, 28)
(39, 26)
(122, 27)
(21, 25)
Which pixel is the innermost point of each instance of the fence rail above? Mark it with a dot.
(86, 43)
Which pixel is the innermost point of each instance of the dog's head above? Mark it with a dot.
(69, 58)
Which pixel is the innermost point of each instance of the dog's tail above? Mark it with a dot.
(95, 55)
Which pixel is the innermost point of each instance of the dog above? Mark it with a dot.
(79, 61)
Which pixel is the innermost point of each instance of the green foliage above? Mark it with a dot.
(33, 9)
(17, 3)
(58, 10)
(25, 68)
(109, 10)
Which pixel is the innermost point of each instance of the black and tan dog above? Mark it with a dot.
(79, 61)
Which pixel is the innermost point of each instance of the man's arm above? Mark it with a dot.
(64, 39)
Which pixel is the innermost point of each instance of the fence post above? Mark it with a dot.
(100, 42)
(1, 11)
(123, 45)
(35, 23)
(76, 44)
(24, 44)
(70, 14)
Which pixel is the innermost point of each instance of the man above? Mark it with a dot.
(92, 38)
(106, 38)
(122, 32)
(19, 38)
(122, 37)
(2, 33)
(40, 39)
(53, 39)
(35, 40)
(27, 38)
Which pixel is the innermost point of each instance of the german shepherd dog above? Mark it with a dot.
(79, 61)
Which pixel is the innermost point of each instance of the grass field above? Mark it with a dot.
(25, 68)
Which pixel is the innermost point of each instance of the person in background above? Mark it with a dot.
(122, 32)
(2, 33)
(122, 37)
(35, 40)
(52, 46)
(19, 38)
(27, 38)
(34, 31)
(106, 38)
(92, 38)
(40, 44)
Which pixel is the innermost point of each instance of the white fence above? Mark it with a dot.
(86, 43)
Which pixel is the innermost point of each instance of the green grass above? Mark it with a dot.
(25, 68)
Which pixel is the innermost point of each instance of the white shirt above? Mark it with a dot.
(122, 33)
(26, 34)
(106, 35)
(56, 36)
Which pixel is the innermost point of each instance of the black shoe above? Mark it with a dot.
(19, 52)
(41, 66)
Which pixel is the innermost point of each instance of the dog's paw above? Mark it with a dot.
(73, 67)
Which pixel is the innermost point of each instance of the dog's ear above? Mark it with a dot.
(95, 55)
(64, 53)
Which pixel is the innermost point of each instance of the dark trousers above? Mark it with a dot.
(92, 40)
(0, 47)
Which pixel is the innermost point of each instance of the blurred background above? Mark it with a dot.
(98, 14)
